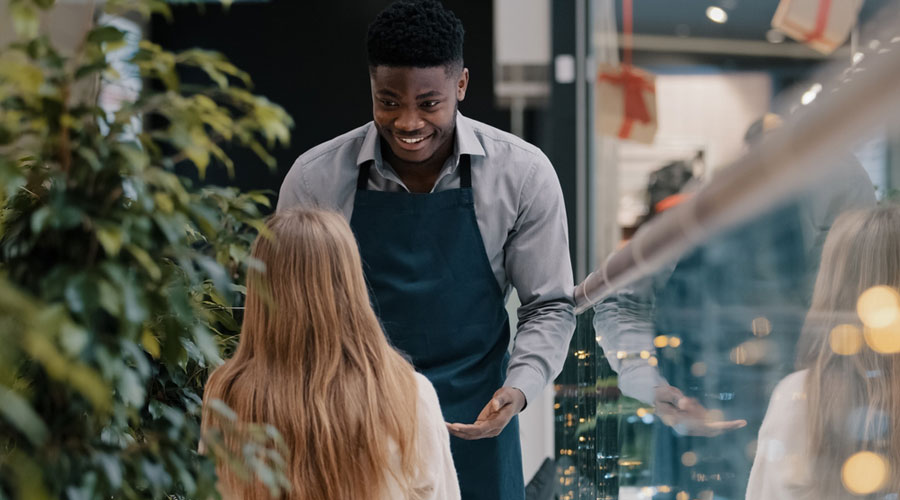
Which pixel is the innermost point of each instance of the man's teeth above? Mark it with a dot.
(412, 141)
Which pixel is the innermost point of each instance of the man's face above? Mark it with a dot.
(415, 108)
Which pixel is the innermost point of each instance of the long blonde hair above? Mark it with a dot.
(314, 363)
(853, 398)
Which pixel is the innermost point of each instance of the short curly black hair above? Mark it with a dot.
(416, 33)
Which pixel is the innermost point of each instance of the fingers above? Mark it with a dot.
(490, 423)
(726, 425)
(688, 417)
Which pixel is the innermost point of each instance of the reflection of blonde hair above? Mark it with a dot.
(853, 400)
(314, 363)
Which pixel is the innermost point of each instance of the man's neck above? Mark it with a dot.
(419, 177)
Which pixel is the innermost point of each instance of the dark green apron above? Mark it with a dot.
(439, 302)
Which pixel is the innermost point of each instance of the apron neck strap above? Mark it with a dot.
(465, 173)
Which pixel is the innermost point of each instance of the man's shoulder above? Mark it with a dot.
(344, 145)
(496, 141)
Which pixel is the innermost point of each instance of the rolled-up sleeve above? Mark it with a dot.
(538, 266)
(623, 324)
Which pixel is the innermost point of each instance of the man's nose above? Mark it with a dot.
(409, 121)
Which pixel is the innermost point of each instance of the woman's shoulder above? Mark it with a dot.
(428, 399)
(792, 387)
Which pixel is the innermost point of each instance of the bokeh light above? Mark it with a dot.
(845, 340)
(674, 341)
(661, 341)
(879, 307)
(864, 473)
(698, 369)
(689, 459)
(884, 340)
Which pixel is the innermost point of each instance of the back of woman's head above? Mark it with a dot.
(314, 363)
(853, 383)
(308, 295)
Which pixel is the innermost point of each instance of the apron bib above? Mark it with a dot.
(435, 293)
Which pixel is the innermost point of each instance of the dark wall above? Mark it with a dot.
(310, 58)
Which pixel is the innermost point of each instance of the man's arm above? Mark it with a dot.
(624, 327)
(538, 265)
(623, 324)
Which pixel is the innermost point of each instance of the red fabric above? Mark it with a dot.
(818, 33)
(627, 30)
(670, 201)
(633, 86)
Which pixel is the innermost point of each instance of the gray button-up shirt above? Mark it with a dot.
(521, 217)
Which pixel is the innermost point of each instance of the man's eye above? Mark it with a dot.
(387, 103)
(430, 104)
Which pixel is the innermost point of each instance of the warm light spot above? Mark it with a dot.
(621, 354)
(599, 338)
(864, 473)
(706, 495)
(581, 438)
(698, 369)
(641, 412)
(761, 327)
(879, 306)
(556, 406)
(884, 340)
(645, 354)
(653, 361)
(646, 492)
(664, 489)
(674, 341)
(845, 340)
(661, 341)
(716, 14)
(682, 496)
(689, 459)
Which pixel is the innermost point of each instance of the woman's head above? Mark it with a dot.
(308, 296)
(862, 250)
(853, 382)
(314, 363)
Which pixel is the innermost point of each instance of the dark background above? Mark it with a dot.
(310, 58)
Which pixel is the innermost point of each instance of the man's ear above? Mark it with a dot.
(462, 84)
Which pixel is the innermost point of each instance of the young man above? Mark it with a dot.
(450, 214)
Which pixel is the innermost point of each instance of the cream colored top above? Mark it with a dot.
(436, 478)
(781, 469)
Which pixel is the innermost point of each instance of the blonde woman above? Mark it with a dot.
(846, 397)
(313, 362)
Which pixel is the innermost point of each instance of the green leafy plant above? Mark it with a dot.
(118, 280)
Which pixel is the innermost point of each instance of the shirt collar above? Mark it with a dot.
(466, 143)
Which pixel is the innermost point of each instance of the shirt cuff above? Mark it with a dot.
(639, 380)
(528, 380)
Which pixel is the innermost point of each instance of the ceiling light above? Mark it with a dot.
(858, 57)
(716, 14)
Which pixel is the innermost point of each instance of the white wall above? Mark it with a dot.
(698, 111)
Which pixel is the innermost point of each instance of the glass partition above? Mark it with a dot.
(748, 346)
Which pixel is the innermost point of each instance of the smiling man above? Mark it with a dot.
(450, 215)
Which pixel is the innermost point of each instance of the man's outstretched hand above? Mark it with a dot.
(506, 403)
(688, 417)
